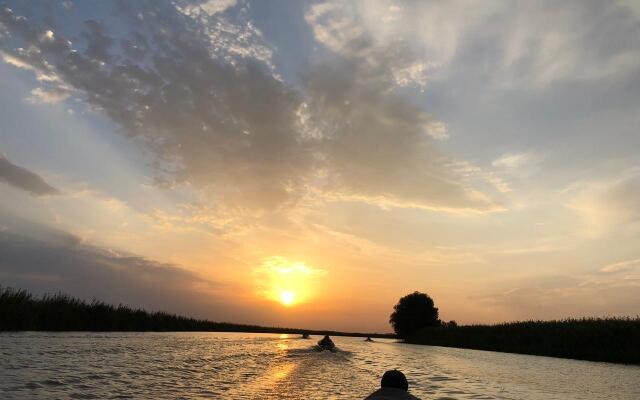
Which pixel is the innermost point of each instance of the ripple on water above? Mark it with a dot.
(52, 382)
(32, 385)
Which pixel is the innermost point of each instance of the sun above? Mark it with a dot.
(288, 283)
(287, 298)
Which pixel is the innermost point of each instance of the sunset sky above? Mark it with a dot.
(306, 164)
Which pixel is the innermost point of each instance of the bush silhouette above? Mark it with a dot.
(413, 312)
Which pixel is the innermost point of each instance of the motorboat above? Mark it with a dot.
(326, 344)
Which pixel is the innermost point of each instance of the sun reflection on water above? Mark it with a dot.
(281, 372)
(283, 346)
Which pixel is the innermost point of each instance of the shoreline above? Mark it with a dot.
(279, 332)
(21, 311)
(613, 340)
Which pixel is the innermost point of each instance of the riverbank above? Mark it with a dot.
(595, 339)
(22, 311)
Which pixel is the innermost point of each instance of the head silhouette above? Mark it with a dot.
(394, 379)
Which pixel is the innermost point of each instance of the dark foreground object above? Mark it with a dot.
(393, 386)
(594, 339)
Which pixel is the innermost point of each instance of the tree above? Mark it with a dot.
(412, 313)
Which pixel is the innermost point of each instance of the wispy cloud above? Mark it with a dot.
(512, 161)
(621, 266)
(24, 179)
(607, 204)
(537, 44)
(55, 95)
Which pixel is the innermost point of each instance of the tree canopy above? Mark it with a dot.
(412, 313)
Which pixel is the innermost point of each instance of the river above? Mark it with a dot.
(36, 365)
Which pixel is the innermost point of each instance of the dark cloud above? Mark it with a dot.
(217, 117)
(90, 272)
(24, 179)
(98, 44)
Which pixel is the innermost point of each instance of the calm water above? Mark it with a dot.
(259, 366)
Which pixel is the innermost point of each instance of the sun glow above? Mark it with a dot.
(287, 282)
(287, 298)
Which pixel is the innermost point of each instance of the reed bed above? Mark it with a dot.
(22, 311)
(595, 339)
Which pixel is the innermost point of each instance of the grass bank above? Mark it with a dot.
(22, 311)
(596, 339)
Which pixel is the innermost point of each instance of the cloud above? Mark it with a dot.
(24, 179)
(623, 198)
(56, 95)
(377, 145)
(212, 115)
(471, 172)
(512, 161)
(621, 266)
(599, 293)
(437, 130)
(607, 204)
(44, 265)
(546, 44)
(210, 7)
(198, 88)
(344, 28)
(41, 75)
(518, 45)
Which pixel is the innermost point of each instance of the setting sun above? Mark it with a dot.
(287, 298)
(286, 282)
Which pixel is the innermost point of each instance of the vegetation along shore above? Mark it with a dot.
(22, 311)
(415, 320)
(596, 339)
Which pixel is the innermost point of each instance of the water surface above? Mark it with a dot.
(261, 366)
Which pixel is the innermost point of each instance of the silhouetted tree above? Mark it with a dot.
(412, 313)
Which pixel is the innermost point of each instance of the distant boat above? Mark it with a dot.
(368, 339)
(326, 344)
(305, 336)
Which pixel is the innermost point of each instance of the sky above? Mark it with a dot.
(306, 164)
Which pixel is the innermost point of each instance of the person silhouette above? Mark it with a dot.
(393, 386)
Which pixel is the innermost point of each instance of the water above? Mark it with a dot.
(261, 366)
